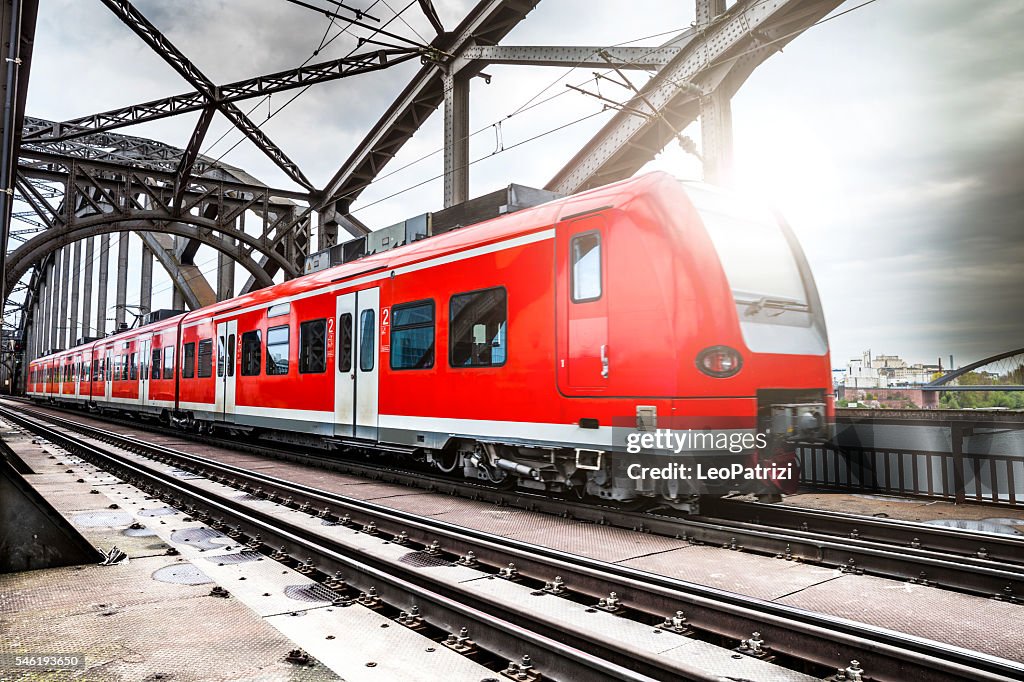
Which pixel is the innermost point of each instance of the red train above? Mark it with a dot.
(515, 349)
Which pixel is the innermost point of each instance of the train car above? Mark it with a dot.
(520, 349)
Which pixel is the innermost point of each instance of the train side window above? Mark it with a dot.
(107, 364)
(133, 367)
(124, 367)
(252, 352)
(478, 328)
(231, 355)
(345, 342)
(205, 368)
(313, 347)
(367, 334)
(277, 350)
(188, 368)
(585, 250)
(220, 355)
(154, 364)
(168, 362)
(412, 335)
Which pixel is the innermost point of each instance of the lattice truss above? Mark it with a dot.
(80, 178)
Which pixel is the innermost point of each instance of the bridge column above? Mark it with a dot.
(62, 316)
(102, 285)
(225, 275)
(716, 138)
(327, 231)
(177, 298)
(90, 256)
(44, 308)
(122, 280)
(30, 336)
(456, 139)
(715, 114)
(146, 282)
(76, 281)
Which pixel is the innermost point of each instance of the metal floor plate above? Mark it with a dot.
(986, 625)
(143, 628)
(734, 571)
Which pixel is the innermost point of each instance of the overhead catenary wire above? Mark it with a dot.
(304, 89)
(530, 104)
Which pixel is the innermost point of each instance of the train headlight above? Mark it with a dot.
(719, 361)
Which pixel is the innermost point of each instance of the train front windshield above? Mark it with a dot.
(757, 259)
(775, 310)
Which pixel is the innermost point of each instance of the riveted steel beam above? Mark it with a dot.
(159, 43)
(640, 58)
(40, 131)
(724, 52)
(486, 24)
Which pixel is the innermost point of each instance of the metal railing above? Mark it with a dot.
(957, 455)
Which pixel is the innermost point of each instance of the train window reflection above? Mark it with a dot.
(188, 369)
(206, 358)
(345, 342)
(586, 267)
(277, 350)
(168, 362)
(412, 335)
(252, 353)
(313, 347)
(477, 328)
(367, 332)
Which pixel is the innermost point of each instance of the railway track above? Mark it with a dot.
(1005, 549)
(249, 505)
(928, 555)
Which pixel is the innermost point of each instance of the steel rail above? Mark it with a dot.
(925, 565)
(996, 546)
(876, 556)
(814, 637)
(494, 627)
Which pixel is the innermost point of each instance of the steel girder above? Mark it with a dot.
(281, 81)
(581, 57)
(721, 54)
(486, 24)
(100, 197)
(126, 12)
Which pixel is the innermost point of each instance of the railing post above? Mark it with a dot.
(956, 434)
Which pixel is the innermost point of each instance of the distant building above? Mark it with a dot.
(861, 373)
(887, 371)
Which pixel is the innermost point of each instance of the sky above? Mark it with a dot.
(891, 138)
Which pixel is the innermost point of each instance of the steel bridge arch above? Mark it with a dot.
(201, 229)
(945, 379)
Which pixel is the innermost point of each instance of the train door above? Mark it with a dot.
(356, 360)
(227, 335)
(584, 362)
(108, 373)
(144, 360)
(76, 369)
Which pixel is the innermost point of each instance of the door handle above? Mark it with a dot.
(604, 361)
(352, 376)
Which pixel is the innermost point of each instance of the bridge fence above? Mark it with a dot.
(959, 456)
